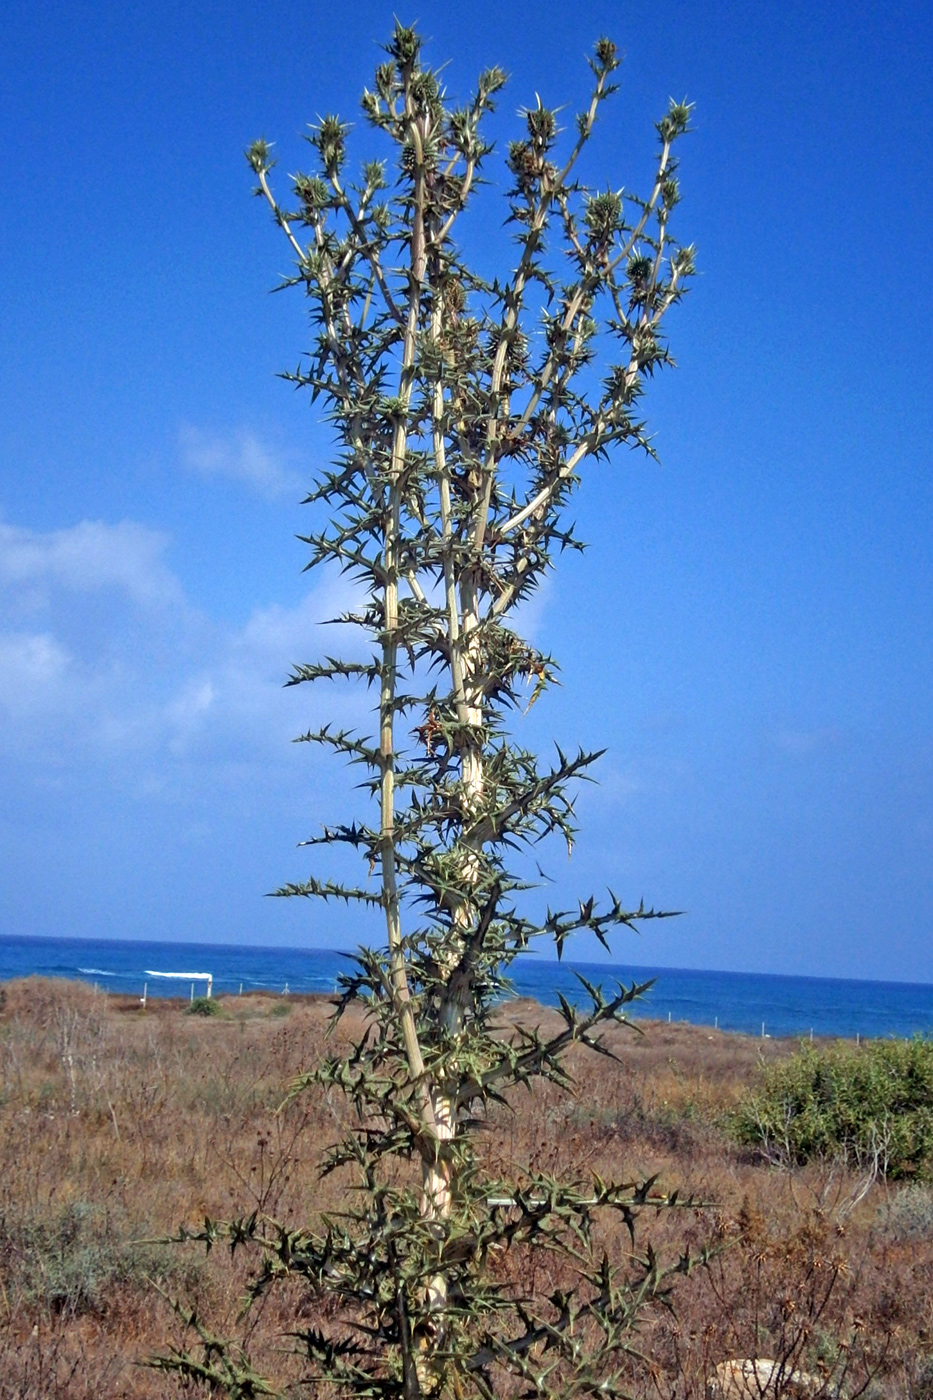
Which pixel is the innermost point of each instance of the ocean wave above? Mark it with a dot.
(97, 972)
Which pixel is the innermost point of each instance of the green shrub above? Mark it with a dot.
(870, 1105)
(908, 1215)
(70, 1259)
(205, 1006)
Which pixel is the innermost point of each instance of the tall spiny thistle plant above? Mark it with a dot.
(464, 411)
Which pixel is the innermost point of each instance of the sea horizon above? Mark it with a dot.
(759, 1003)
(284, 948)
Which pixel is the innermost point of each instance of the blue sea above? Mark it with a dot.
(755, 1003)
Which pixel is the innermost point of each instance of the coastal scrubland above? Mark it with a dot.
(121, 1124)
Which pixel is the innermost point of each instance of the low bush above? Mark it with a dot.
(869, 1105)
(908, 1214)
(72, 1258)
(205, 1006)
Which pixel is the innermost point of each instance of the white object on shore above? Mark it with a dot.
(191, 977)
(750, 1378)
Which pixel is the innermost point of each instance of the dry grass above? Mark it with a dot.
(119, 1125)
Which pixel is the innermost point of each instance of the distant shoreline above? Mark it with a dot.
(531, 957)
(523, 1007)
(755, 1004)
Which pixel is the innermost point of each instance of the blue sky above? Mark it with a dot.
(764, 688)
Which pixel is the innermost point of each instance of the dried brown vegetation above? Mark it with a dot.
(119, 1125)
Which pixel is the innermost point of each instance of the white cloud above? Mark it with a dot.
(235, 698)
(131, 735)
(194, 700)
(107, 680)
(89, 556)
(91, 608)
(31, 667)
(240, 457)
